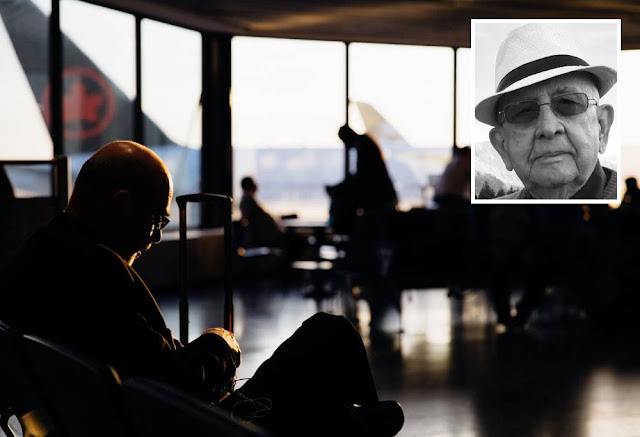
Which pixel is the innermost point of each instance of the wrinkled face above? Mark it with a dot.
(552, 151)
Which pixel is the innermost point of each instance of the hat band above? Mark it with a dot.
(538, 66)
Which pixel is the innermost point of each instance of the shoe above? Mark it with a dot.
(384, 419)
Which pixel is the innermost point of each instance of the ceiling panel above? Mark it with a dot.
(437, 22)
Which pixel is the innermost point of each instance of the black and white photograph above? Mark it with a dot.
(546, 120)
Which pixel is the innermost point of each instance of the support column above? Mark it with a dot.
(216, 164)
(55, 79)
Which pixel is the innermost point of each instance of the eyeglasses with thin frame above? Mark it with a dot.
(159, 222)
(526, 111)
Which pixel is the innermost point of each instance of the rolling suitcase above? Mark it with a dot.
(224, 202)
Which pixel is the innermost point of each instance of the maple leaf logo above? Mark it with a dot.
(88, 104)
(80, 104)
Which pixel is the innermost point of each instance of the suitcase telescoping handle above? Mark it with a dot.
(225, 202)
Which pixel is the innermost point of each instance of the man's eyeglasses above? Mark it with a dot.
(159, 222)
(528, 110)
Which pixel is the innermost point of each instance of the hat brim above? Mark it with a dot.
(486, 109)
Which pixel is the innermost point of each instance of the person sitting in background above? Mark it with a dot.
(631, 198)
(74, 283)
(259, 227)
(454, 186)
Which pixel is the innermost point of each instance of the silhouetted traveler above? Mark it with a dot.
(632, 194)
(370, 189)
(259, 227)
(74, 282)
(360, 207)
(454, 186)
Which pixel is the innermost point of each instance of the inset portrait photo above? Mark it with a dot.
(546, 126)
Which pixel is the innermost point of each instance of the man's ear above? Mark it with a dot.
(496, 136)
(121, 202)
(605, 119)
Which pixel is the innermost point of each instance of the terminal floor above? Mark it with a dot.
(442, 359)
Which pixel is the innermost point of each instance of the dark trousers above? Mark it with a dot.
(311, 379)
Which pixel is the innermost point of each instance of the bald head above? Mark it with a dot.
(120, 165)
(117, 187)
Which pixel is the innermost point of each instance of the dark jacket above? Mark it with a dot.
(610, 190)
(65, 286)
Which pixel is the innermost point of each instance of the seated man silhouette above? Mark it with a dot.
(259, 228)
(74, 282)
(454, 186)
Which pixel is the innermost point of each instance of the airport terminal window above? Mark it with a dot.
(98, 78)
(403, 96)
(629, 62)
(288, 102)
(464, 103)
(24, 73)
(171, 88)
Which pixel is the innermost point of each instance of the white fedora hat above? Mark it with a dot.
(533, 53)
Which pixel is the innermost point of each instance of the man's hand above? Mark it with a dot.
(231, 341)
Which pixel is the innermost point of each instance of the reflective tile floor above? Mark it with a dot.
(441, 358)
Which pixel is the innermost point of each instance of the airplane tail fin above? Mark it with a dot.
(95, 109)
(378, 127)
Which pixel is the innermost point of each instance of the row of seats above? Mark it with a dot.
(57, 392)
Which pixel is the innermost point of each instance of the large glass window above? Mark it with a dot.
(403, 97)
(288, 103)
(171, 89)
(24, 74)
(98, 78)
(629, 64)
(464, 103)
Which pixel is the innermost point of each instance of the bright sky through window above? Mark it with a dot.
(287, 93)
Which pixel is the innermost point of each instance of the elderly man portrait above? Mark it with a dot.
(549, 124)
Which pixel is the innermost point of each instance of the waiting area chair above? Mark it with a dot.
(250, 259)
(20, 395)
(84, 394)
(55, 391)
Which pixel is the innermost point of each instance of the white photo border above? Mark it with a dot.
(617, 119)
